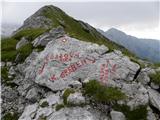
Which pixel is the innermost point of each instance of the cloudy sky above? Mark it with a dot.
(140, 19)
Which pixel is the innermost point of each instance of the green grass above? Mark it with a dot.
(10, 116)
(30, 34)
(8, 49)
(44, 104)
(101, 93)
(59, 106)
(4, 73)
(24, 52)
(66, 93)
(155, 78)
(139, 113)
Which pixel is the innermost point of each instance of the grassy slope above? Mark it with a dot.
(75, 29)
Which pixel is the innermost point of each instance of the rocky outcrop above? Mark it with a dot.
(53, 34)
(21, 43)
(154, 98)
(60, 64)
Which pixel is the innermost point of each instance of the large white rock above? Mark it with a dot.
(66, 59)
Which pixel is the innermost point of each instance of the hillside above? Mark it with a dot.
(148, 49)
(57, 68)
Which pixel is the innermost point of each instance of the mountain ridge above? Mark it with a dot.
(143, 48)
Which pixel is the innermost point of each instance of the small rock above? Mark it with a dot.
(9, 64)
(2, 64)
(51, 99)
(150, 114)
(154, 86)
(21, 43)
(76, 84)
(76, 99)
(32, 94)
(115, 115)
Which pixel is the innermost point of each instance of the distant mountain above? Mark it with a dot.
(144, 48)
(8, 29)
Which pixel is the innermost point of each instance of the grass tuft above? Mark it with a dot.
(155, 78)
(59, 106)
(139, 113)
(100, 93)
(30, 34)
(66, 93)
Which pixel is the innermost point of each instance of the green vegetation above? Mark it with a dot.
(10, 116)
(59, 106)
(4, 73)
(24, 52)
(42, 117)
(155, 78)
(139, 113)
(100, 93)
(44, 104)
(7, 81)
(30, 34)
(8, 45)
(8, 49)
(66, 93)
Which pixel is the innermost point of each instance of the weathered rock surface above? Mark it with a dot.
(53, 34)
(115, 115)
(76, 113)
(67, 59)
(154, 98)
(21, 43)
(76, 99)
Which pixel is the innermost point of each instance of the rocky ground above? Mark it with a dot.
(75, 80)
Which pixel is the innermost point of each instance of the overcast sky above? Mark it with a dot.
(140, 19)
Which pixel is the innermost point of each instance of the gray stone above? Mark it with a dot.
(53, 34)
(76, 113)
(32, 94)
(76, 84)
(76, 99)
(150, 114)
(29, 112)
(51, 99)
(22, 43)
(154, 86)
(115, 115)
(9, 64)
(154, 98)
(49, 70)
(137, 92)
(2, 64)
